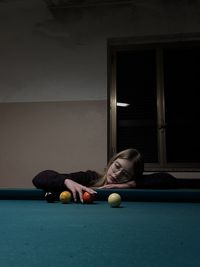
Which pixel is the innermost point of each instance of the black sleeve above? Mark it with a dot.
(53, 181)
(157, 181)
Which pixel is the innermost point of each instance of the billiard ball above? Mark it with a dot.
(88, 198)
(114, 200)
(65, 197)
(50, 197)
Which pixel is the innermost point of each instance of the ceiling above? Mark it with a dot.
(84, 3)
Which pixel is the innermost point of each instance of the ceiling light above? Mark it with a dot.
(119, 104)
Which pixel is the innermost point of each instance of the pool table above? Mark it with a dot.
(151, 228)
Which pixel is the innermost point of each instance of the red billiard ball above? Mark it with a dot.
(88, 198)
(50, 197)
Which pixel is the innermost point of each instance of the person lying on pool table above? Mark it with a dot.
(124, 170)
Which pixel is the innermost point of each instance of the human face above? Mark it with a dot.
(120, 171)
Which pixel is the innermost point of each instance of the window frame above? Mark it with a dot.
(115, 45)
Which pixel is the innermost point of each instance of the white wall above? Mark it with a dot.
(64, 136)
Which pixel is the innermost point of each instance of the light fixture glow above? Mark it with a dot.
(119, 104)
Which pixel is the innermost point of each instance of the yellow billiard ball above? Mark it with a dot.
(114, 200)
(65, 197)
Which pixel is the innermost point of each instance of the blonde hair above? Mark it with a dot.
(130, 154)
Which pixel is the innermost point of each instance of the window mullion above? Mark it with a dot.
(161, 109)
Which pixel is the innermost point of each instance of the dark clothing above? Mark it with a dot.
(53, 181)
(159, 180)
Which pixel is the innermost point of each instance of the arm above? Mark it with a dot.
(55, 182)
(160, 180)
(50, 181)
(128, 185)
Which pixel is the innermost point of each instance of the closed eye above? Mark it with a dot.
(117, 165)
(123, 172)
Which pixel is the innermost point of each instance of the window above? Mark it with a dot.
(181, 86)
(153, 90)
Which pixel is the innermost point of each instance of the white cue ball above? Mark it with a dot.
(114, 200)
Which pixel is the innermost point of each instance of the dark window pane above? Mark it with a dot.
(136, 85)
(182, 86)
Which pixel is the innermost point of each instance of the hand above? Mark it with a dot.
(130, 184)
(76, 188)
(111, 186)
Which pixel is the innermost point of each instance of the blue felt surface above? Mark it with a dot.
(140, 234)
